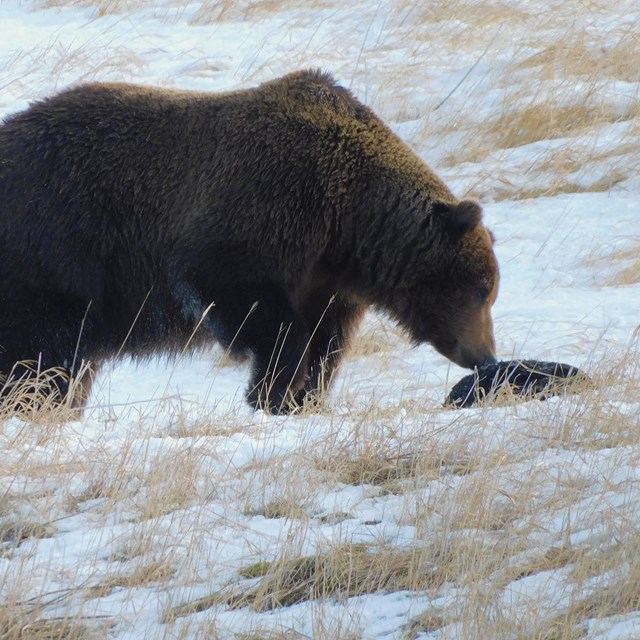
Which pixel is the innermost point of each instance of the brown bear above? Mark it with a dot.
(138, 220)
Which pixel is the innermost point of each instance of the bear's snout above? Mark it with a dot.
(473, 359)
(476, 346)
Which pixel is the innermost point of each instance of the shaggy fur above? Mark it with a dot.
(126, 211)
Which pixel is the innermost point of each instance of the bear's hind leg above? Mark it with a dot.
(40, 355)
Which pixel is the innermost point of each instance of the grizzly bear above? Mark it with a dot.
(138, 220)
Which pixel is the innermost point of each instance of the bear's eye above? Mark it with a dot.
(481, 295)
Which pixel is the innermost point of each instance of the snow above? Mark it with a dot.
(170, 468)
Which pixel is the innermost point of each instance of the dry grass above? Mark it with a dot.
(620, 597)
(614, 596)
(629, 261)
(546, 121)
(561, 83)
(576, 56)
(16, 532)
(208, 12)
(37, 399)
(375, 469)
(475, 513)
(567, 114)
(389, 470)
(342, 572)
(426, 622)
(282, 508)
(270, 634)
(465, 506)
(142, 576)
(26, 627)
(482, 531)
(217, 11)
(101, 7)
(474, 14)
(615, 267)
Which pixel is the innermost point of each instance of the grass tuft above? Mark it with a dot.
(343, 572)
(24, 627)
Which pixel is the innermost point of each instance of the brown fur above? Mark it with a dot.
(126, 211)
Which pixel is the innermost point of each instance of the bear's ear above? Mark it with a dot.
(461, 218)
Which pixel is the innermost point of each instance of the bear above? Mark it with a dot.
(137, 220)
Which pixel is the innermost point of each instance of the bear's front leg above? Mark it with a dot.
(259, 319)
(332, 321)
(280, 368)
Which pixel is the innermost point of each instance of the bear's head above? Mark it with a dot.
(448, 301)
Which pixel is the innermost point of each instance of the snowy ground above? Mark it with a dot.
(147, 519)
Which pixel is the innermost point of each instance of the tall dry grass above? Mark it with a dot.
(477, 495)
(481, 515)
(473, 503)
(562, 83)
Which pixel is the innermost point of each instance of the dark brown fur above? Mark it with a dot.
(126, 211)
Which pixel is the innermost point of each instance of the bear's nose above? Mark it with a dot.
(473, 359)
(488, 359)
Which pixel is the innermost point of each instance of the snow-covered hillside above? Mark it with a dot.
(172, 510)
